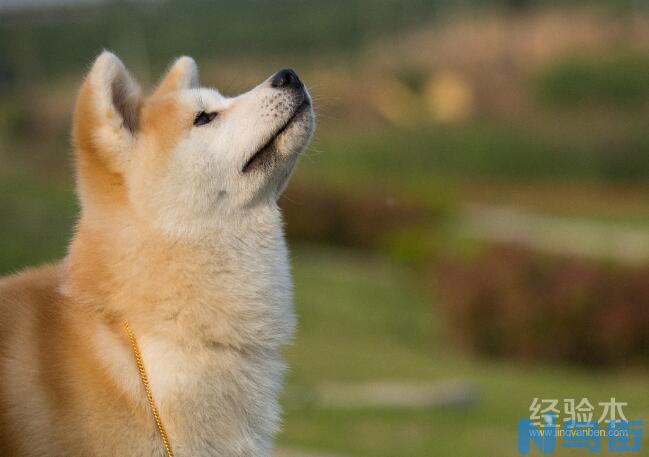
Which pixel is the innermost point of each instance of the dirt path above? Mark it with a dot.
(555, 234)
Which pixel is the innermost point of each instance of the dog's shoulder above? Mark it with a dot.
(31, 284)
(26, 292)
(29, 302)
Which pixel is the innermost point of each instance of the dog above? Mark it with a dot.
(180, 238)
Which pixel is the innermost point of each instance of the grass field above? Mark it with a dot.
(364, 319)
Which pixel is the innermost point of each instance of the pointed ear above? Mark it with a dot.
(106, 122)
(107, 112)
(183, 74)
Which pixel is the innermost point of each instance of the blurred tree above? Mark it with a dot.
(518, 5)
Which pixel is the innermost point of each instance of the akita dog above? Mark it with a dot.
(160, 332)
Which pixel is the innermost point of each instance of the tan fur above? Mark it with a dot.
(95, 169)
(210, 310)
(51, 341)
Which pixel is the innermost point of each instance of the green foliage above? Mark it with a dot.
(41, 45)
(618, 81)
(350, 216)
(36, 219)
(420, 157)
(413, 245)
(63, 40)
(413, 77)
(14, 118)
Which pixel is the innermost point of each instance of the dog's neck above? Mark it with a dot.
(229, 287)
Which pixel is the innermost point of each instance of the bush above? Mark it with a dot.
(510, 301)
(620, 81)
(361, 218)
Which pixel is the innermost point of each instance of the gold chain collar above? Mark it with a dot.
(147, 389)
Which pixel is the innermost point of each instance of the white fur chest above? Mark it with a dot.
(213, 402)
(215, 366)
(217, 402)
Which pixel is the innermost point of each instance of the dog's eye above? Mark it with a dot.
(203, 118)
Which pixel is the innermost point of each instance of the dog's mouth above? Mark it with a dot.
(267, 151)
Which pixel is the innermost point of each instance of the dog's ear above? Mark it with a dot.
(183, 74)
(107, 114)
(105, 128)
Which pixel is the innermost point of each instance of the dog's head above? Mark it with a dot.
(186, 157)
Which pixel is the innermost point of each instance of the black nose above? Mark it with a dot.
(286, 78)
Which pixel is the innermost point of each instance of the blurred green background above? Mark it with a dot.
(469, 229)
